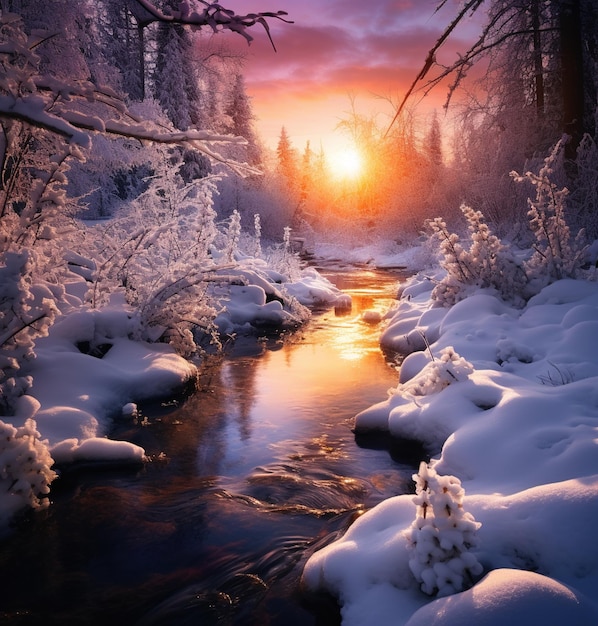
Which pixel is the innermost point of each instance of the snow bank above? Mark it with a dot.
(381, 254)
(509, 596)
(506, 400)
(255, 297)
(85, 372)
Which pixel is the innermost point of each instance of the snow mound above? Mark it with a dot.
(509, 596)
(254, 297)
(86, 370)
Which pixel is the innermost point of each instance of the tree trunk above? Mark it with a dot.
(141, 59)
(572, 74)
(538, 67)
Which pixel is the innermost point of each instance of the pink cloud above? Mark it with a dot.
(336, 49)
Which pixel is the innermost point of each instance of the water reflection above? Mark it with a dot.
(251, 475)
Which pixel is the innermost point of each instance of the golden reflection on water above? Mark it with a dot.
(298, 402)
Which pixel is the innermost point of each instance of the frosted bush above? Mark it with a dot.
(158, 252)
(557, 254)
(25, 467)
(486, 263)
(449, 368)
(284, 259)
(26, 312)
(442, 535)
(257, 239)
(233, 236)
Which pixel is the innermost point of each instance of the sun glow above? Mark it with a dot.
(346, 163)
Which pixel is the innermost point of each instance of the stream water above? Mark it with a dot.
(249, 476)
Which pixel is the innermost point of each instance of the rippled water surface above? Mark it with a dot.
(249, 476)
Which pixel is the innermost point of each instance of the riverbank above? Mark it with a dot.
(504, 400)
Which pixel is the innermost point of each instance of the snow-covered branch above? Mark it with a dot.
(214, 16)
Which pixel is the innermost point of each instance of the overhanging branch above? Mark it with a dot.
(214, 16)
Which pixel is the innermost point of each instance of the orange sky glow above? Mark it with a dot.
(335, 53)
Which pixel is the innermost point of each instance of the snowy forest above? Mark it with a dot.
(144, 223)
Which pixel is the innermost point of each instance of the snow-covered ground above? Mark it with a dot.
(506, 401)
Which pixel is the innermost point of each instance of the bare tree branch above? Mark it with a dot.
(215, 16)
(470, 6)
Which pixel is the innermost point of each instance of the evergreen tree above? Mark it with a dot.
(175, 76)
(433, 143)
(123, 38)
(287, 159)
(241, 114)
(307, 171)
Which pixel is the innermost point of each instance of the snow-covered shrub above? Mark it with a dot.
(159, 254)
(257, 239)
(557, 254)
(584, 197)
(25, 468)
(232, 236)
(486, 263)
(442, 535)
(283, 258)
(26, 312)
(439, 373)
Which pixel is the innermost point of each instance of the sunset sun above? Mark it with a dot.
(346, 164)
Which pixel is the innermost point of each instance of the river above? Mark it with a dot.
(248, 477)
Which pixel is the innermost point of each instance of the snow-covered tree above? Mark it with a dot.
(286, 158)
(122, 33)
(47, 119)
(25, 473)
(157, 253)
(442, 535)
(240, 111)
(175, 76)
(433, 143)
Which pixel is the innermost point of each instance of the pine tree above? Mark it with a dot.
(287, 160)
(307, 171)
(241, 113)
(127, 31)
(433, 143)
(442, 535)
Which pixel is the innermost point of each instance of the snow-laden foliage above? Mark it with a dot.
(283, 257)
(487, 263)
(257, 236)
(179, 270)
(46, 121)
(557, 254)
(439, 373)
(26, 312)
(158, 253)
(25, 463)
(233, 236)
(442, 535)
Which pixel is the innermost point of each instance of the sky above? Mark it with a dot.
(335, 56)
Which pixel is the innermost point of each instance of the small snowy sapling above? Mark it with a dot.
(442, 535)
(25, 463)
(450, 367)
